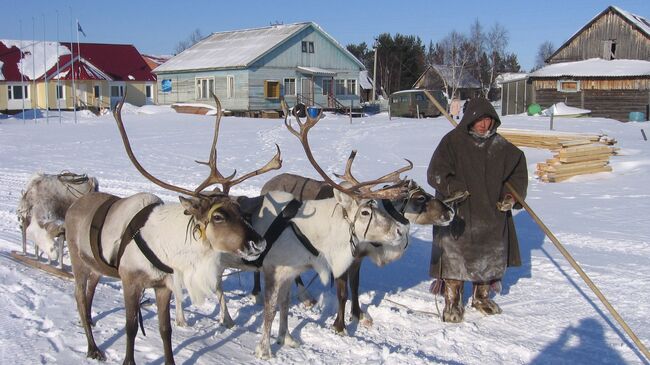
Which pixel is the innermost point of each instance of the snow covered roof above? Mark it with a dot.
(595, 67)
(239, 48)
(317, 71)
(365, 81)
(510, 76)
(640, 22)
(34, 60)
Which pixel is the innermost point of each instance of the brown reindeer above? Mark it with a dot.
(143, 242)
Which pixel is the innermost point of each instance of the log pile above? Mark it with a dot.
(575, 154)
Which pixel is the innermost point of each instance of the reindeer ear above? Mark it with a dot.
(342, 198)
(191, 205)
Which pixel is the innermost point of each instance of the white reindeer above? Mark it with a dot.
(142, 242)
(42, 207)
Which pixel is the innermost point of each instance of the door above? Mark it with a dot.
(307, 91)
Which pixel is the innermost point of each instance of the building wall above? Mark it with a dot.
(184, 88)
(605, 98)
(515, 97)
(630, 42)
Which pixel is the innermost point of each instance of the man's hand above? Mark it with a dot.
(506, 203)
(456, 197)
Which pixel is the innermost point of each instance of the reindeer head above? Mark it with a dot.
(215, 219)
(421, 207)
(373, 231)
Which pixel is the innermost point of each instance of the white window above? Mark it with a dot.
(17, 92)
(352, 87)
(60, 92)
(117, 91)
(204, 86)
(340, 87)
(230, 86)
(568, 86)
(290, 86)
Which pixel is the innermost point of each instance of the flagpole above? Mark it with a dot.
(78, 53)
(74, 93)
(47, 91)
(58, 70)
(22, 76)
(33, 69)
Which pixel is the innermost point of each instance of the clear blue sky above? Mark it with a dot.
(155, 27)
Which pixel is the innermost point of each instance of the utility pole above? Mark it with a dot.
(374, 78)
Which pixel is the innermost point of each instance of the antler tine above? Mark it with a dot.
(347, 175)
(274, 164)
(365, 188)
(215, 176)
(117, 114)
(287, 123)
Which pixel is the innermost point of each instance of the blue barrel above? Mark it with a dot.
(637, 117)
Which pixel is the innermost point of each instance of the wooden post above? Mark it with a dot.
(552, 114)
(351, 103)
(417, 110)
(643, 134)
(389, 116)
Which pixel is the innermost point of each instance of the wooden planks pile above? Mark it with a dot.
(575, 153)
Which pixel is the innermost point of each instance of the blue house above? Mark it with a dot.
(249, 70)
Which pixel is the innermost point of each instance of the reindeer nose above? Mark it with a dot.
(257, 246)
(399, 232)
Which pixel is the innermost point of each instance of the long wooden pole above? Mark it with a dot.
(561, 248)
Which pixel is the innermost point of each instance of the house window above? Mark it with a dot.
(96, 91)
(60, 92)
(204, 86)
(148, 91)
(17, 92)
(271, 89)
(340, 87)
(290, 86)
(568, 86)
(327, 86)
(352, 87)
(307, 47)
(117, 91)
(230, 86)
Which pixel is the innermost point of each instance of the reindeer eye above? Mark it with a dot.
(218, 217)
(365, 212)
(421, 198)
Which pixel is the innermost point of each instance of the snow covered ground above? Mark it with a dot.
(550, 316)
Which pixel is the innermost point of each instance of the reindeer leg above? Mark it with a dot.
(303, 294)
(163, 297)
(132, 296)
(283, 334)
(226, 320)
(353, 277)
(93, 280)
(23, 230)
(263, 348)
(342, 296)
(81, 278)
(177, 280)
(257, 288)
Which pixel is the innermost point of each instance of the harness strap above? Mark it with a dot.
(96, 226)
(132, 232)
(276, 228)
(304, 240)
(390, 209)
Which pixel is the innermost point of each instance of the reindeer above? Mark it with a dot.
(42, 207)
(418, 207)
(325, 235)
(143, 242)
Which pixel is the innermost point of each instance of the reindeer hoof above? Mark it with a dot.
(289, 341)
(96, 354)
(259, 300)
(365, 319)
(263, 352)
(228, 323)
(309, 303)
(180, 322)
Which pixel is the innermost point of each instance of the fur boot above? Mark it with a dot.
(454, 309)
(481, 300)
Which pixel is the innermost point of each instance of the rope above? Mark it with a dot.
(562, 250)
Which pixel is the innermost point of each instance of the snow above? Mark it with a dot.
(638, 20)
(561, 109)
(550, 316)
(38, 56)
(509, 77)
(595, 67)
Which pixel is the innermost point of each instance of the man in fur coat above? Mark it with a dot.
(481, 241)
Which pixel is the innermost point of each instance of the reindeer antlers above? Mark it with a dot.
(215, 176)
(358, 189)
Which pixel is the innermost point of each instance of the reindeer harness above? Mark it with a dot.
(131, 232)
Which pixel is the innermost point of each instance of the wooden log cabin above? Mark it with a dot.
(603, 67)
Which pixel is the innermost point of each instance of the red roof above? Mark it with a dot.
(119, 62)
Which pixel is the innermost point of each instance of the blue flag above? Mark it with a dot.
(79, 29)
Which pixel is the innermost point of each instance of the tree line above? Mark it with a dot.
(401, 59)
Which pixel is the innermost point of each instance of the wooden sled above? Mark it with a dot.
(32, 261)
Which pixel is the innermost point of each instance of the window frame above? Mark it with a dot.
(284, 84)
(120, 90)
(11, 93)
(276, 89)
(327, 89)
(59, 95)
(339, 85)
(311, 46)
(351, 86)
(230, 86)
(203, 85)
(303, 46)
(561, 86)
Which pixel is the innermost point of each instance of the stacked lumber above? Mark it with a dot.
(575, 154)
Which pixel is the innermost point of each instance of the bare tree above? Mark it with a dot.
(496, 41)
(458, 52)
(544, 51)
(191, 40)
